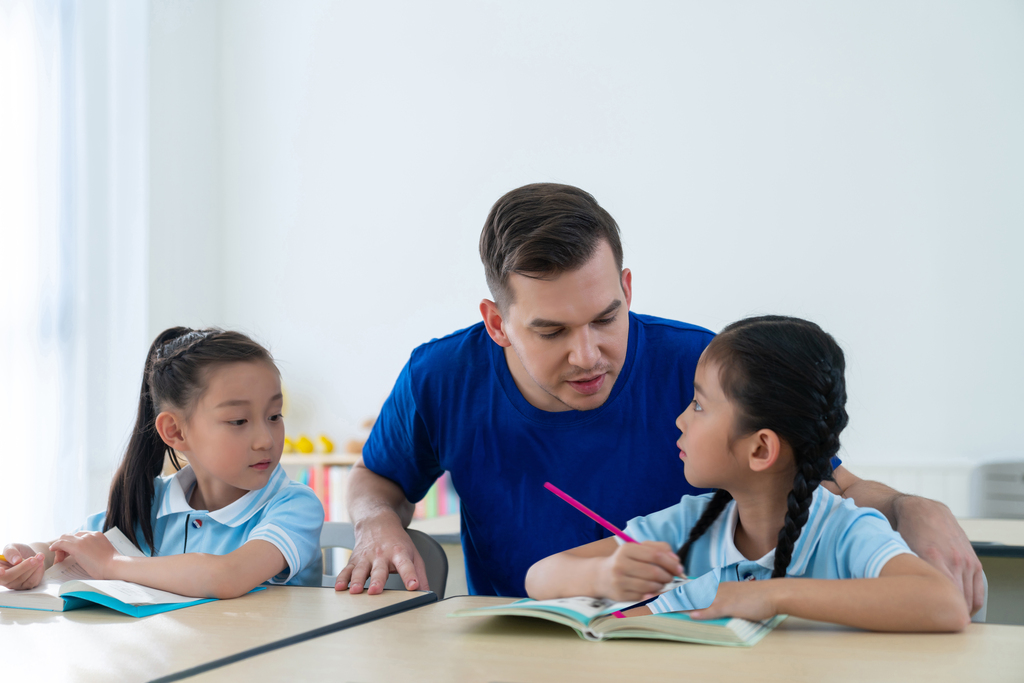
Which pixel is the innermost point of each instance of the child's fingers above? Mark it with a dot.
(656, 553)
(59, 556)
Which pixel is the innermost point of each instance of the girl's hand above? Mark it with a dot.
(23, 569)
(637, 571)
(91, 550)
(751, 600)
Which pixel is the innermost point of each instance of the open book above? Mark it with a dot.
(67, 586)
(593, 619)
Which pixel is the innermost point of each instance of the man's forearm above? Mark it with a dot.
(872, 494)
(371, 495)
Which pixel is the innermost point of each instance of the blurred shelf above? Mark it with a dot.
(319, 459)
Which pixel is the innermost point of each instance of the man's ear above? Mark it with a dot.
(170, 427)
(493, 321)
(765, 451)
(626, 280)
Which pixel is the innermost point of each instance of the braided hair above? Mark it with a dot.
(174, 376)
(786, 375)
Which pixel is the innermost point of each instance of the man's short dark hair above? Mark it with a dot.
(541, 231)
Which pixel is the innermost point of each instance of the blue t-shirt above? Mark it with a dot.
(455, 407)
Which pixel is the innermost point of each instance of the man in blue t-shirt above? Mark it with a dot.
(560, 383)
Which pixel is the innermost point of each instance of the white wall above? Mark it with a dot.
(185, 181)
(859, 164)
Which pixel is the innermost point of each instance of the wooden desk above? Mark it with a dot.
(995, 537)
(98, 644)
(425, 645)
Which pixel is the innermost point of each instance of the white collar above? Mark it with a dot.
(175, 497)
(723, 535)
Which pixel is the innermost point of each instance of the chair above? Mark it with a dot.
(342, 535)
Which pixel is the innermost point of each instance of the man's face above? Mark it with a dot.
(568, 336)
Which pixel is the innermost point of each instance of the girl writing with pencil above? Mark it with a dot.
(226, 522)
(764, 424)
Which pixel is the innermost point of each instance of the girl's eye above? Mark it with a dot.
(237, 423)
(696, 406)
(275, 418)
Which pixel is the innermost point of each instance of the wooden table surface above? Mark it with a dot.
(424, 645)
(99, 644)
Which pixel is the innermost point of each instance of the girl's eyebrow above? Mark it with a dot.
(697, 389)
(245, 402)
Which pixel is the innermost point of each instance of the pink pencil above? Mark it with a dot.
(588, 512)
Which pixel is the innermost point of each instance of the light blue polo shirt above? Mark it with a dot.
(839, 541)
(284, 512)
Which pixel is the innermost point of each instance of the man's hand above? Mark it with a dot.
(931, 531)
(382, 547)
(928, 527)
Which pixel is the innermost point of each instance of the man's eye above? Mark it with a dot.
(605, 321)
(550, 335)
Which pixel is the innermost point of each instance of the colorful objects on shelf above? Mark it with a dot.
(304, 445)
(327, 444)
(289, 446)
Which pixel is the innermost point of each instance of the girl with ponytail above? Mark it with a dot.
(229, 519)
(769, 405)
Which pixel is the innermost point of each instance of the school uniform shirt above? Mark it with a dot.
(284, 512)
(839, 541)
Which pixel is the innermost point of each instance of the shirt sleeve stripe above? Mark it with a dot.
(274, 534)
(888, 551)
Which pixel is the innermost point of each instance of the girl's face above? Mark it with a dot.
(236, 433)
(706, 426)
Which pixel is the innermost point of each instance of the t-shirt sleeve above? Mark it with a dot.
(399, 446)
(670, 525)
(865, 543)
(94, 522)
(292, 521)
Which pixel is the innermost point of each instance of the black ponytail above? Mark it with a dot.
(787, 375)
(172, 378)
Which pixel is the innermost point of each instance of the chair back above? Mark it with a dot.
(342, 535)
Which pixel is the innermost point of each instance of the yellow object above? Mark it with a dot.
(327, 444)
(2, 558)
(289, 446)
(304, 445)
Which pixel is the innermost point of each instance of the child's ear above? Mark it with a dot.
(766, 451)
(170, 428)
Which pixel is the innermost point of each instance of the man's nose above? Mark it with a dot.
(584, 352)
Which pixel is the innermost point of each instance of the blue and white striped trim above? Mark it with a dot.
(888, 551)
(283, 542)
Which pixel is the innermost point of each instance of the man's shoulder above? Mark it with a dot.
(667, 327)
(459, 347)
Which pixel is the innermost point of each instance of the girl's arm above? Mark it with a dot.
(195, 574)
(908, 595)
(604, 569)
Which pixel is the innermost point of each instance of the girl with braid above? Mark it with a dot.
(227, 521)
(769, 405)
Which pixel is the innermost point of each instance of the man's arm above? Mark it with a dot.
(928, 527)
(380, 512)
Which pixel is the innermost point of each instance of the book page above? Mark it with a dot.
(126, 592)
